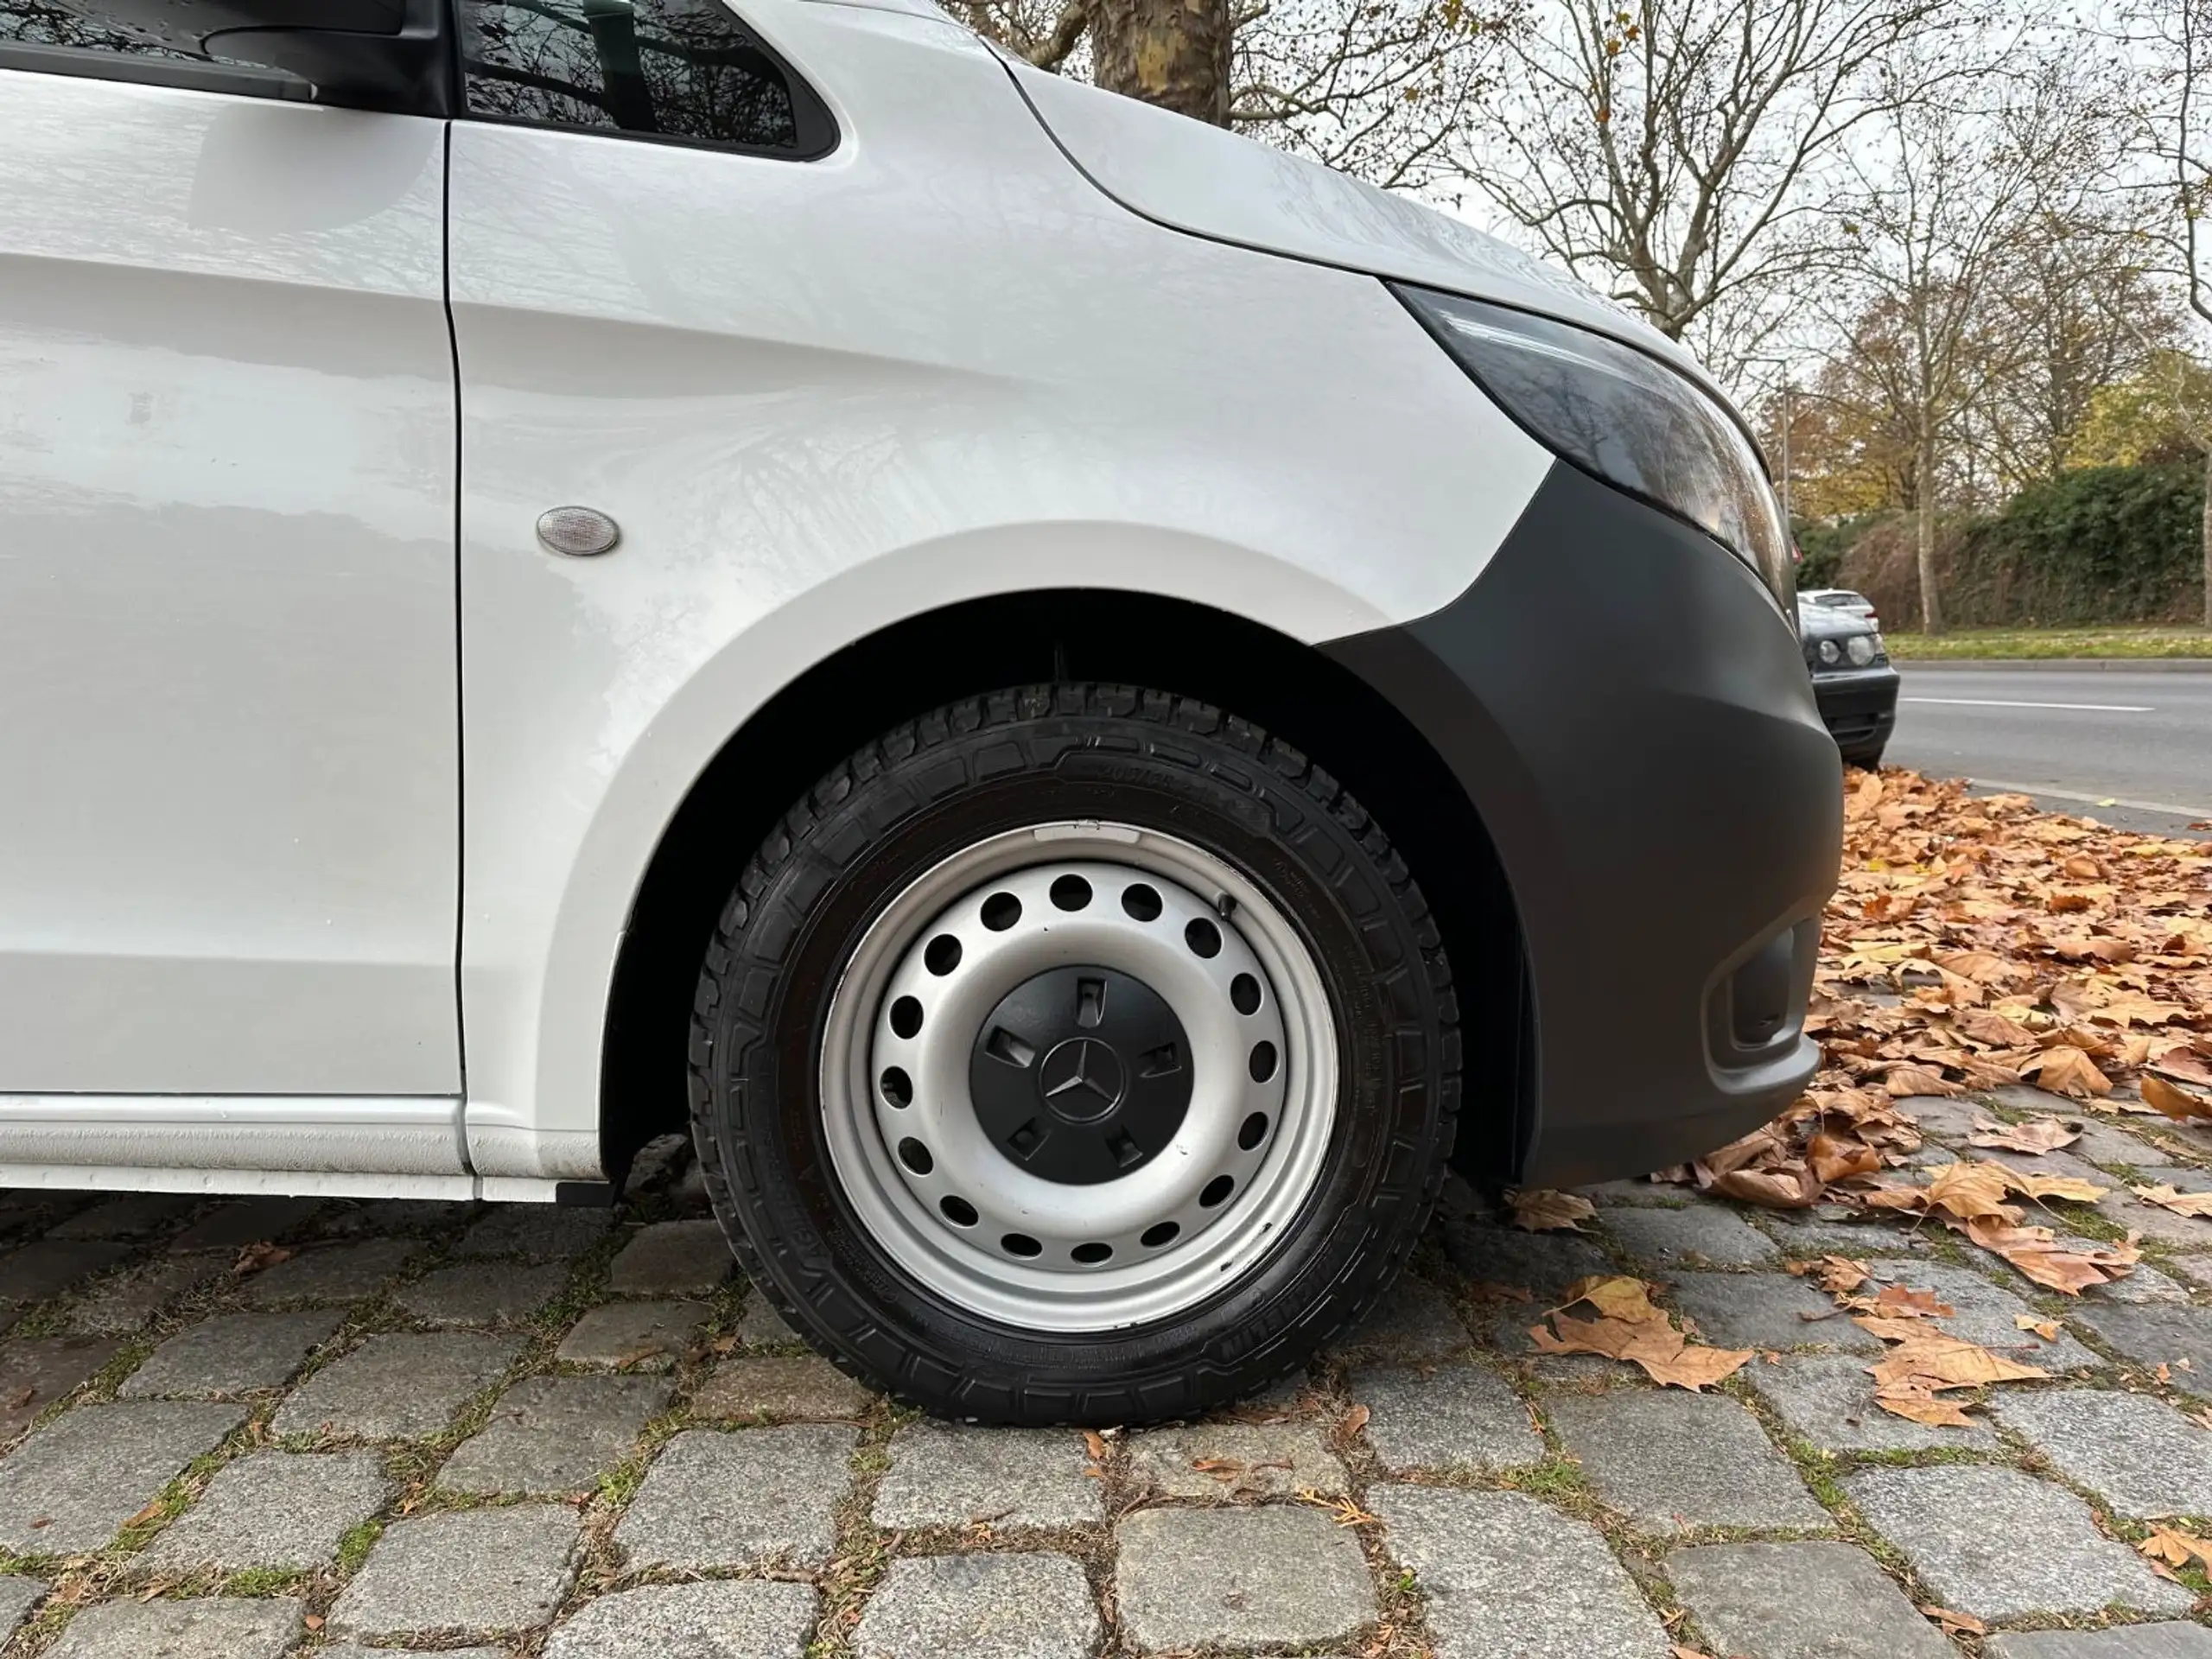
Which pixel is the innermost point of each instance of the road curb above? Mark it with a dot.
(2094, 664)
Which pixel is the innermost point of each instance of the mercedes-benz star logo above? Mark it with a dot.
(1082, 1079)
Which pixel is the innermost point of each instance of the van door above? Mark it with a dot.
(230, 753)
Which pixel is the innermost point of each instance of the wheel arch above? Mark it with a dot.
(963, 649)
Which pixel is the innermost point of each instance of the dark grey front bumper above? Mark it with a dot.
(1628, 713)
(1859, 705)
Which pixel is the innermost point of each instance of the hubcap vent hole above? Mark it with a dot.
(1262, 1065)
(1217, 1192)
(1021, 1244)
(1162, 1233)
(916, 1156)
(906, 1017)
(898, 1087)
(1203, 937)
(1070, 893)
(1141, 903)
(1001, 912)
(1243, 994)
(1091, 1254)
(944, 956)
(958, 1211)
(1252, 1131)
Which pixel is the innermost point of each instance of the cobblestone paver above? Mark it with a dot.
(276, 1510)
(73, 1483)
(500, 1430)
(556, 1434)
(224, 1627)
(1504, 1573)
(941, 1475)
(1674, 1464)
(734, 1499)
(481, 1571)
(1999, 1544)
(1446, 1417)
(398, 1387)
(232, 1354)
(1008, 1606)
(740, 1620)
(1812, 1600)
(1239, 1577)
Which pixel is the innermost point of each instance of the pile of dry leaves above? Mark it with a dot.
(1974, 942)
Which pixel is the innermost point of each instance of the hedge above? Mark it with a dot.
(2098, 544)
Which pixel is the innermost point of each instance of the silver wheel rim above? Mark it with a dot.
(1201, 1208)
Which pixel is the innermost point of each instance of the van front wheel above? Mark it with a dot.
(1076, 1054)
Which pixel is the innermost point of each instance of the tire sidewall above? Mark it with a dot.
(882, 826)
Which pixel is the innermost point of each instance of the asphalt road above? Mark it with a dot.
(2076, 739)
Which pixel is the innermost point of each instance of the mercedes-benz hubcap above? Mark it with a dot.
(1079, 1077)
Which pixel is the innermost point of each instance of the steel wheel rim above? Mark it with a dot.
(1147, 1274)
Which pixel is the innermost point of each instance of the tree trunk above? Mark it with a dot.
(1931, 606)
(1172, 52)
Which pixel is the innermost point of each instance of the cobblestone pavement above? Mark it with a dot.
(517, 1431)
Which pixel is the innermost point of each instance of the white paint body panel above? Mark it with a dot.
(1217, 183)
(822, 398)
(227, 859)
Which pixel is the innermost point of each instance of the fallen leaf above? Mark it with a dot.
(151, 1513)
(2047, 1329)
(1900, 1300)
(254, 1257)
(1904, 1081)
(1542, 1210)
(2035, 1253)
(1968, 1190)
(1955, 1623)
(2071, 1188)
(2176, 1548)
(1630, 1328)
(1219, 1468)
(312, 1621)
(2175, 1102)
(2067, 1071)
(1096, 1444)
(2182, 1204)
(1354, 1420)
(2034, 1137)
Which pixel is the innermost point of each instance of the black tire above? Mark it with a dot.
(1007, 760)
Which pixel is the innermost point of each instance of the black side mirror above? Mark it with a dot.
(378, 54)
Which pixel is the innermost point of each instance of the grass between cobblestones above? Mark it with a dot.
(863, 1551)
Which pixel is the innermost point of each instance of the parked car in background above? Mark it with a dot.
(1036, 671)
(1839, 599)
(1853, 680)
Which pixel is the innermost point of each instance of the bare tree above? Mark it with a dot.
(1374, 87)
(2173, 139)
(1673, 150)
(1946, 204)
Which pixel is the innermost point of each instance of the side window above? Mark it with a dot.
(688, 70)
(48, 22)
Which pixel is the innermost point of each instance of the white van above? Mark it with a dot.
(1078, 697)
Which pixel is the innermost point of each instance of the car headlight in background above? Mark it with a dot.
(1829, 652)
(1622, 415)
(1862, 648)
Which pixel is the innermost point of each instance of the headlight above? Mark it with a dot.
(1621, 415)
(1861, 648)
(1829, 652)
